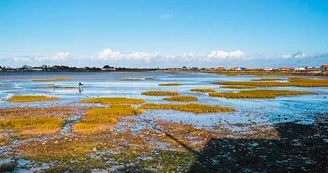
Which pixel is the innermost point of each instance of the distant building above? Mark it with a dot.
(324, 67)
(268, 69)
(299, 68)
(37, 69)
(220, 68)
(108, 69)
(237, 68)
(284, 69)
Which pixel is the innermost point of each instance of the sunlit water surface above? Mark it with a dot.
(109, 84)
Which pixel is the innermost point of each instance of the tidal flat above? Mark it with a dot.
(112, 125)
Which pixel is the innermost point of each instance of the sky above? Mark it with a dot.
(170, 33)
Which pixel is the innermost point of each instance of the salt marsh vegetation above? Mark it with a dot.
(204, 90)
(191, 107)
(31, 98)
(258, 94)
(238, 86)
(130, 79)
(182, 98)
(40, 125)
(266, 79)
(159, 93)
(51, 79)
(297, 82)
(113, 100)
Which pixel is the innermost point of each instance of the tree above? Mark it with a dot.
(106, 66)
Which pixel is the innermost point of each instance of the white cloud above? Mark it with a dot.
(61, 56)
(108, 54)
(190, 54)
(223, 55)
(166, 16)
(134, 59)
(286, 56)
(298, 54)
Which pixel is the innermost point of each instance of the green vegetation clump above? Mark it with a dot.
(170, 84)
(109, 115)
(113, 100)
(99, 120)
(205, 90)
(41, 123)
(182, 98)
(258, 94)
(266, 79)
(194, 108)
(150, 78)
(130, 79)
(51, 79)
(159, 93)
(238, 86)
(297, 82)
(30, 98)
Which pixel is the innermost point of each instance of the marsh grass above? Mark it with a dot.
(170, 84)
(266, 79)
(35, 112)
(194, 108)
(100, 120)
(109, 115)
(238, 86)
(160, 93)
(41, 125)
(130, 79)
(52, 79)
(31, 98)
(205, 90)
(87, 128)
(113, 100)
(150, 78)
(76, 148)
(258, 94)
(182, 98)
(297, 82)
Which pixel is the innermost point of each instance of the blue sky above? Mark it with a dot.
(163, 33)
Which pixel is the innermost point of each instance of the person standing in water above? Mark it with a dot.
(80, 87)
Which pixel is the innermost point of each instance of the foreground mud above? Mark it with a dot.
(138, 144)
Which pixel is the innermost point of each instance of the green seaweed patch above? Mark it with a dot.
(191, 107)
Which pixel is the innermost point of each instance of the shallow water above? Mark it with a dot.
(109, 84)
